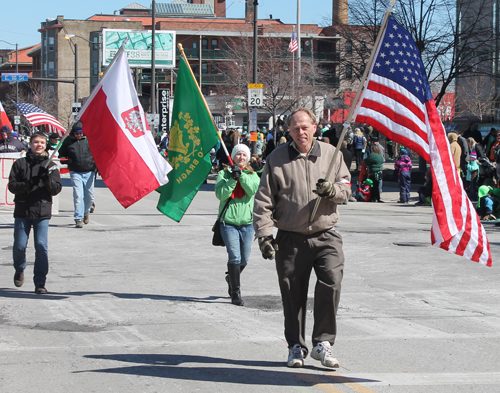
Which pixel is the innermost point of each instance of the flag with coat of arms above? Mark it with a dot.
(120, 141)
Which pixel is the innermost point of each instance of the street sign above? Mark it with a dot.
(153, 119)
(75, 108)
(17, 119)
(255, 94)
(253, 120)
(163, 100)
(14, 77)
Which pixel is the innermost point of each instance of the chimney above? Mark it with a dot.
(340, 13)
(249, 11)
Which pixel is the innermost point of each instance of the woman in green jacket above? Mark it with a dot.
(236, 187)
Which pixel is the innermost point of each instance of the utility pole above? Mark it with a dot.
(298, 38)
(153, 65)
(255, 53)
(76, 72)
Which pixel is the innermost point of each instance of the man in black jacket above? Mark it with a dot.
(33, 185)
(82, 171)
(8, 144)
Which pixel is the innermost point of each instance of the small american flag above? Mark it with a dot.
(37, 117)
(397, 101)
(293, 46)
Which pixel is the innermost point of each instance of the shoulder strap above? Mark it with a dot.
(225, 208)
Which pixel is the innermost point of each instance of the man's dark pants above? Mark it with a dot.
(297, 255)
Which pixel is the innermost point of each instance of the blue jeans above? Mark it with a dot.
(238, 239)
(83, 192)
(22, 228)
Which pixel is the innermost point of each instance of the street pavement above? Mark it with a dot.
(138, 303)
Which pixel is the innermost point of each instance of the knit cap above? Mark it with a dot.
(473, 156)
(241, 147)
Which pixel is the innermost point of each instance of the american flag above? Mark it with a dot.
(37, 117)
(293, 46)
(397, 101)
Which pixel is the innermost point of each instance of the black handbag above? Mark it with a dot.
(217, 237)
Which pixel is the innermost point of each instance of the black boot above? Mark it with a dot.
(234, 279)
(229, 282)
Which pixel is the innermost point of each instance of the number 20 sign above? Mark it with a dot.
(255, 94)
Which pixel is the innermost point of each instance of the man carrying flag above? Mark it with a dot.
(192, 135)
(121, 144)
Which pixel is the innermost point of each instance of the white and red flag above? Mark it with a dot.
(4, 119)
(121, 144)
(398, 102)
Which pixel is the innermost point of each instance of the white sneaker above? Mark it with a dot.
(323, 353)
(296, 356)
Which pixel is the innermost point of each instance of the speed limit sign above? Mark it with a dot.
(255, 94)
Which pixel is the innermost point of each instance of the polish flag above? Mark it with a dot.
(121, 144)
(4, 120)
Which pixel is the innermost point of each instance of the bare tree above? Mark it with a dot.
(479, 99)
(284, 87)
(455, 38)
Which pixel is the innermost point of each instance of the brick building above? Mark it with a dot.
(209, 39)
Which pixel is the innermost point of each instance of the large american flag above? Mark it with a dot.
(293, 46)
(38, 117)
(398, 102)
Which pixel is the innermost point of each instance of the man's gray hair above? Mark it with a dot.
(308, 111)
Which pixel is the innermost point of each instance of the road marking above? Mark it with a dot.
(319, 382)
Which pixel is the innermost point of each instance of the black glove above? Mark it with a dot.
(43, 174)
(324, 189)
(235, 172)
(267, 246)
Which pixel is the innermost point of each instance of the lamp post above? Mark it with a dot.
(17, 71)
(69, 37)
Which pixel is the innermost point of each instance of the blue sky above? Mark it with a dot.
(21, 19)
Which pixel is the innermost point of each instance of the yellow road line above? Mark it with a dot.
(319, 382)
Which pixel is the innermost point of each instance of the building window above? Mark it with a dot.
(348, 71)
(348, 47)
(51, 43)
(195, 44)
(363, 46)
(215, 69)
(286, 67)
(94, 68)
(51, 68)
(96, 43)
(215, 43)
(204, 43)
(196, 69)
(204, 68)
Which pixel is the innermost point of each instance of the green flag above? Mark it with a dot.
(192, 135)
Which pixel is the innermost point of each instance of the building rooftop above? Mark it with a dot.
(180, 7)
(24, 58)
(135, 6)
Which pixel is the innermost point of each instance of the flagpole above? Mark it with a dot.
(293, 70)
(347, 124)
(181, 48)
(87, 102)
